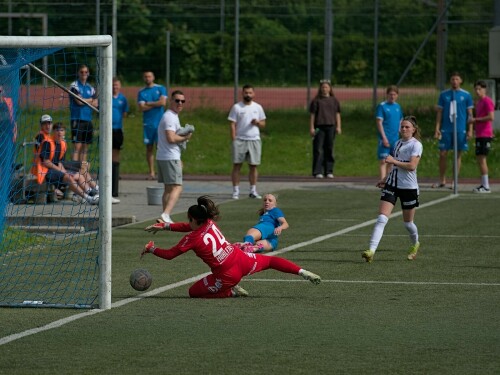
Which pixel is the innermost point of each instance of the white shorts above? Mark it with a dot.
(249, 151)
(169, 172)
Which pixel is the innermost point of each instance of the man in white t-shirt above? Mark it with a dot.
(246, 119)
(168, 155)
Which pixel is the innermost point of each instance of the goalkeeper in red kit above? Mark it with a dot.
(227, 262)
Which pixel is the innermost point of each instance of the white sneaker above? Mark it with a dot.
(319, 175)
(114, 200)
(329, 175)
(92, 200)
(236, 196)
(481, 190)
(165, 218)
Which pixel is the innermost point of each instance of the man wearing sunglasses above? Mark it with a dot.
(168, 155)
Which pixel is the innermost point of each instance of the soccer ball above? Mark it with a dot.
(140, 279)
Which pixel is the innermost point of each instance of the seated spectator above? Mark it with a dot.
(48, 163)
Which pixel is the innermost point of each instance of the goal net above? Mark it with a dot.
(55, 246)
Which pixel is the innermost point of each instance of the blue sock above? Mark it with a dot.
(249, 239)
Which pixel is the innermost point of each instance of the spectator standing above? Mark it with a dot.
(446, 110)
(151, 101)
(388, 117)
(325, 122)
(485, 114)
(246, 119)
(82, 130)
(168, 154)
(120, 110)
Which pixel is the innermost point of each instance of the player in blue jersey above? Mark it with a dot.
(151, 101)
(263, 236)
(388, 116)
(81, 114)
(120, 110)
(444, 124)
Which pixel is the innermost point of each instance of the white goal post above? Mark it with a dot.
(103, 45)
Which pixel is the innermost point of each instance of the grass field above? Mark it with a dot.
(436, 315)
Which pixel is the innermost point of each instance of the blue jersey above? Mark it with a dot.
(464, 102)
(152, 94)
(391, 115)
(271, 217)
(120, 106)
(86, 91)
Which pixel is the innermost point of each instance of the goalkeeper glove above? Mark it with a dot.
(148, 248)
(157, 227)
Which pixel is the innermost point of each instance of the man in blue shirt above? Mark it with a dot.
(446, 111)
(120, 110)
(81, 114)
(151, 101)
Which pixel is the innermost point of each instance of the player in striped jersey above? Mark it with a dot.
(401, 183)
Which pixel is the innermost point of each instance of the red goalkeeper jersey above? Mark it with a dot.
(207, 242)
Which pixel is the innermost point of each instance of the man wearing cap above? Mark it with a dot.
(48, 166)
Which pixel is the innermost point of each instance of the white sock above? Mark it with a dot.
(236, 190)
(413, 230)
(378, 231)
(485, 181)
(253, 189)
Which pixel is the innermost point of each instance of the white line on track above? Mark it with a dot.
(61, 322)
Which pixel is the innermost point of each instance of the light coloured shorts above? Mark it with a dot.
(249, 151)
(169, 172)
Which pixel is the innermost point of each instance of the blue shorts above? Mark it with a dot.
(55, 178)
(150, 134)
(384, 152)
(267, 233)
(446, 141)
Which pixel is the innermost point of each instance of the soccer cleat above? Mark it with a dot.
(255, 195)
(412, 254)
(236, 196)
(368, 255)
(312, 277)
(246, 247)
(238, 291)
(481, 190)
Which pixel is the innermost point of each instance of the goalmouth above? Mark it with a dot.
(54, 252)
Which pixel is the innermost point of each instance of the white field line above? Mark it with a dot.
(64, 321)
(376, 282)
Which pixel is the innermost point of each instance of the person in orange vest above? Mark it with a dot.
(48, 164)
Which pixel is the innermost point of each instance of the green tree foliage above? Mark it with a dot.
(273, 37)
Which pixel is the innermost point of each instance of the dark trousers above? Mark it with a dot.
(323, 159)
